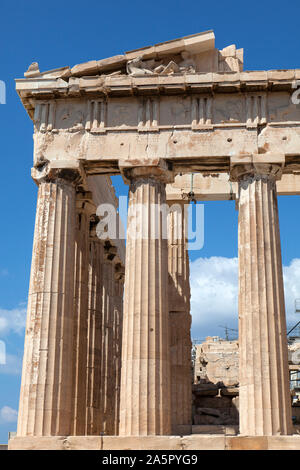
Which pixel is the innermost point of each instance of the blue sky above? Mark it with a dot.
(65, 33)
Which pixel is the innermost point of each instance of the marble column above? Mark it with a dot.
(265, 407)
(94, 417)
(108, 359)
(117, 337)
(145, 407)
(46, 389)
(84, 210)
(179, 318)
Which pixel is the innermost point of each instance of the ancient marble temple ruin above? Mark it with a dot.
(107, 348)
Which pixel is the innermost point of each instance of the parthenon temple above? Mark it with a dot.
(107, 358)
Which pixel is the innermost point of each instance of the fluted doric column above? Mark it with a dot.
(265, 407)
(145, 375)
(46, 390)
(94, 413)
(84, 209)
(179, 317)
(119, 276)
(108, 360)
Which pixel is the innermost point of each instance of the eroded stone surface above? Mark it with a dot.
(264, 394)
(145, 407)
(179, 316)
(179, 106)
(217, 362)
(195, 442)
(58, 391)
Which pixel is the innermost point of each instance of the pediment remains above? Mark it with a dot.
(191, 54)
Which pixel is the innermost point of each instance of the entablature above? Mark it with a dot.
(197, 132)
(183, 101)
(93, 87)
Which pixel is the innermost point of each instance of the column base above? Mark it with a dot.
(192, 442)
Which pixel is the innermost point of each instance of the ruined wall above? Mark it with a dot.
(215, 391)
(217, 361)
(216, 381)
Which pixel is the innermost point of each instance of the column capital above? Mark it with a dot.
(181, 202)
(63, 171)
(94, 220)
(119, 271)
(84, 203)
(157, 169)
(110, 251)
(256, 167)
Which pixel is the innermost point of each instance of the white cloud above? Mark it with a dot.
(8, 415)
(12, 366)
(291, 276)
(12, 320)
(214, 289)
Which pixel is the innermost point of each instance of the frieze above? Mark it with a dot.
(151, 114)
